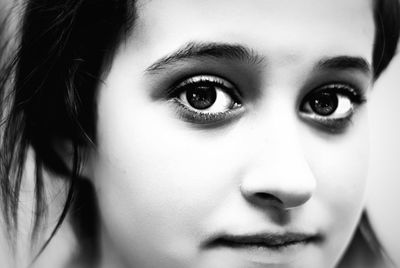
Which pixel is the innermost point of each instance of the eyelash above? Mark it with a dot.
(201, 118)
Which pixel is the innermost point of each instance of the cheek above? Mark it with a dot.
(340, 165)
(154, 177)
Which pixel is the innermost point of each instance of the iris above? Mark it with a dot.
(201, 96)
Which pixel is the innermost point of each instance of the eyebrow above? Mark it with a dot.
(245, 54)
(344, 63)
(207, 50)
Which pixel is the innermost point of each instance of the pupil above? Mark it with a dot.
(201, 97)
(324, 103)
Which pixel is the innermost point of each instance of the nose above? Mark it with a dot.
(278, 176)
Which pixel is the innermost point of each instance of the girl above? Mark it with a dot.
(197, 133)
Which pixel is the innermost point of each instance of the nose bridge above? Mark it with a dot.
(278, 172)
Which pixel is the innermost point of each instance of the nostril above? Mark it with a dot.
(266, 197)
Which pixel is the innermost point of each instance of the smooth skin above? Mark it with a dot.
(383, 195)
(166, 182)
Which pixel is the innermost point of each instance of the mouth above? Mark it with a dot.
(270, 241)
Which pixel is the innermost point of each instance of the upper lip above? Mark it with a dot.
(268, 240)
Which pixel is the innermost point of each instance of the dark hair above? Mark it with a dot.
(65, 46)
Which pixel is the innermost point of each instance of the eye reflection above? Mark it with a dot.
(200, 97)
(324, 103)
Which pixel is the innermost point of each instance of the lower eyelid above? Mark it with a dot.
(204, 119)
(334, 126)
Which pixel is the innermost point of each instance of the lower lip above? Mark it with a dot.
(285, 253)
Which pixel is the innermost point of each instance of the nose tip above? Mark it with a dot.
(281, 197)
(274, 183)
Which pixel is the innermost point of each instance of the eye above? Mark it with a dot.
(207, 94)
(206, 99)
(331, 105)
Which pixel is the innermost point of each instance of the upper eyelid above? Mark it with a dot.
(357, 87)
(203, 78)
(349, 86)
(355, 93)
(353, 78)
(232, 88)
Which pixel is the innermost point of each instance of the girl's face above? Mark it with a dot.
(234, 133)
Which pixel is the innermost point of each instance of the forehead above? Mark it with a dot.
(268, 26)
